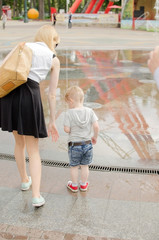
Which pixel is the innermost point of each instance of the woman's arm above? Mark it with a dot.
(54, 77)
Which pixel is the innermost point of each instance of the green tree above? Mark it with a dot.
(41, 9)
(43, 6)
(0, 7)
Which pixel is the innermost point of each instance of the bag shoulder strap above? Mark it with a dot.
(21, 46)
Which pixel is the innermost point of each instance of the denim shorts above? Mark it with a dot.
(80, 155)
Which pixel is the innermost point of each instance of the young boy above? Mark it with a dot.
(78, 124)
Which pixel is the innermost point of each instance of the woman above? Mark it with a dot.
(21, 110)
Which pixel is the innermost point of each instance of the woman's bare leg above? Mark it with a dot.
(32, 145)
(19, 153)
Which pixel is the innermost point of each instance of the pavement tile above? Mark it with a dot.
(35, 238)
(17, 230)
(97, 238)
(53, 235)
(4, 235)
(103, 238)
(126, 187)
(3, 227)
(149, 187)
(74, 237)
(34, 233)
(20, 237)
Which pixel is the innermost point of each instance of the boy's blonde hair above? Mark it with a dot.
(75, 93)
(48, 35)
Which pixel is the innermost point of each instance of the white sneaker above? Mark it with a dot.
(27, 185)
(38, 202)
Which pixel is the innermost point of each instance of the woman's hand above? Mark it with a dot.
(52, 131)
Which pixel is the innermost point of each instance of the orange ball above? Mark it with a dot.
(33, 13)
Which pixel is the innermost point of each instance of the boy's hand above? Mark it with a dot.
(52, 131)
(94, 140)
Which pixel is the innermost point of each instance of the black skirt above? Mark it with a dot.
(21, 110)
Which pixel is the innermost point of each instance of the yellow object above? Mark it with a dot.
(15, 68)
(33, 13)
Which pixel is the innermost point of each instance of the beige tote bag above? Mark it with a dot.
(15, 68)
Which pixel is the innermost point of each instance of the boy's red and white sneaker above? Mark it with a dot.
(72, 188)
(84, 188)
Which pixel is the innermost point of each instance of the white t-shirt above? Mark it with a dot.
(41, 61)
(80, 121)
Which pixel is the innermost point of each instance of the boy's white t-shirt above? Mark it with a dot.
(80, 121)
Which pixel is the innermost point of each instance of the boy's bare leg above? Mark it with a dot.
(84, 173)
(74, 174)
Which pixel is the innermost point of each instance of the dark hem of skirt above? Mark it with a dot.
(22, 111)
(11, 131)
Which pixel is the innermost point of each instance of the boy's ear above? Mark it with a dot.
(70, 100)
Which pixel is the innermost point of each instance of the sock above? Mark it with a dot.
(83, 184)
(74, 184)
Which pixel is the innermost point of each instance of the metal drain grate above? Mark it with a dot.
(124, 170)
(55, 164)
(46, 162)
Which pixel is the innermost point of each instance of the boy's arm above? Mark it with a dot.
(66, 124)
(96, 131)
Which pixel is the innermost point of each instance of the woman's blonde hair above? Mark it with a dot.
(75, 93)
(48, 35)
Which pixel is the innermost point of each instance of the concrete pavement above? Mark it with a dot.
(80, 37)
(117, 206)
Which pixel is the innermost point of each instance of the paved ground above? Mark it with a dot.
(80, 37)
(117, 206)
